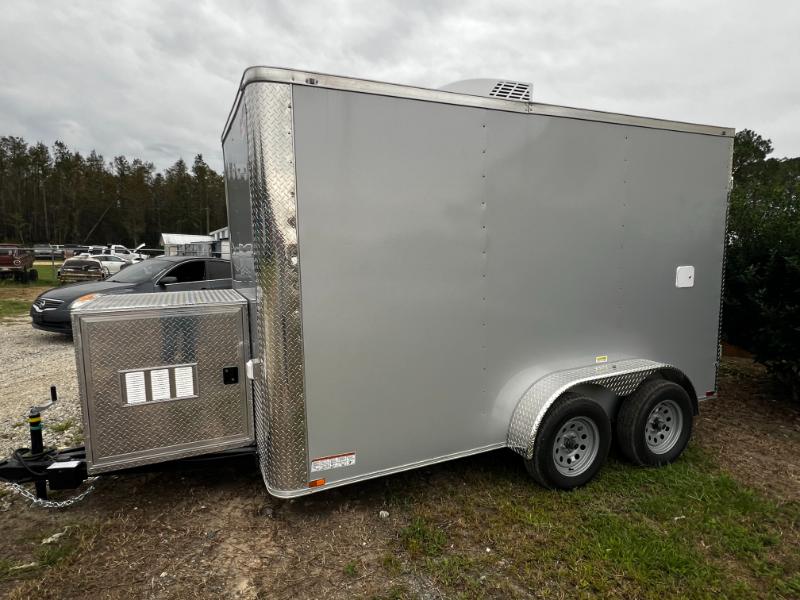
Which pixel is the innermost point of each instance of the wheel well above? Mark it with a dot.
(610, 401)
(676, 376)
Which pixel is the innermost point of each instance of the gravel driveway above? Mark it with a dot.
(31, 362)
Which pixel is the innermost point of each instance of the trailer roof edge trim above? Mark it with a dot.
(367, 86)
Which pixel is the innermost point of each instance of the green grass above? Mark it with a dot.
(62, 426)
(13, 308)
(687, 530)
(420, 538)
(47, 277)
(351, 569)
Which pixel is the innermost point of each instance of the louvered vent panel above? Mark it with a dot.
(512, 90)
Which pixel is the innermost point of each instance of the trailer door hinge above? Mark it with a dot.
(250, 366)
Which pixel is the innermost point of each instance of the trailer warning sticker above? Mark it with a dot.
(333, 462)
(159, 384)
(134, 387)
(184, 382)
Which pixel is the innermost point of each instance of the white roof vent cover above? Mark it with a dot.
(493, 88)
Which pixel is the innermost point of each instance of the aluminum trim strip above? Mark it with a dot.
(279, 393)
(310, 78)
(304, 491)
(621, 377)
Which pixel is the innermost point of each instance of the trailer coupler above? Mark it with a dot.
(57, 469)
(66, 469)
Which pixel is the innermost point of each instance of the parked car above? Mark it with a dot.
(124, 253)
(17, 262)
(44, 252)
(81, 268)
(50, 311)
(70, 250)
(112, 264)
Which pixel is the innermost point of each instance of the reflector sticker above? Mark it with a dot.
(135, 392)
(184, 382)
(159, 384)
(333, 462)
(600, 359)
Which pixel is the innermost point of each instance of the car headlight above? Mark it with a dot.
(83, 300)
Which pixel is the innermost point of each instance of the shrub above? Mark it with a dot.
(762, 291)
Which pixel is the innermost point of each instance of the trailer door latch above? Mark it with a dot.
(250, 367)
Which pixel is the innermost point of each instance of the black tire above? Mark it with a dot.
(33, 275)
(551, 442)
(650, 438)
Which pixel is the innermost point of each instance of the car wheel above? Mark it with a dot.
(572, 443)
(654, 423)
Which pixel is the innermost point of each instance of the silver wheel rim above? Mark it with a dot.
(575, 446)
(664, 427)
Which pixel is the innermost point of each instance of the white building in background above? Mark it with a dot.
(222, 242)
(215, 243)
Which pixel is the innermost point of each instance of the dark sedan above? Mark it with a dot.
(50, 311)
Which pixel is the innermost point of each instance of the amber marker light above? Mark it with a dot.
(316, 483)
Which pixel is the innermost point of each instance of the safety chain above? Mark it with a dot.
(19, 489)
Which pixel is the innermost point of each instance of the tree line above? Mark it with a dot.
(55, 195)
(761, 309)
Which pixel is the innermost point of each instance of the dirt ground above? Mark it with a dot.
(216, 533)
(749, 414)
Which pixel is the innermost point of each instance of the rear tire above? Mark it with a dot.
(572, 443)
(33, 275)
(654, 424)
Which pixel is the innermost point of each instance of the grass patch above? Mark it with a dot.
(62, 426)
(350, 569)
(686, 530)
(13, 308)
(422, 539)
(47, 276)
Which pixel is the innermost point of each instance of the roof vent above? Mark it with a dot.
(512, 90)
(493, 88)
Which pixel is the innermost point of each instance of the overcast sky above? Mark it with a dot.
(155, 80)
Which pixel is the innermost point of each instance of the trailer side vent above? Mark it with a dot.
(511, 90)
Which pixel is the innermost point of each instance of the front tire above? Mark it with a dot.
(655, 423)
(572, 443)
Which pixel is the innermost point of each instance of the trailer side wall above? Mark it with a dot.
(444, 249)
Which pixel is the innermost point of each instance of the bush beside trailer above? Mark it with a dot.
(421, 275)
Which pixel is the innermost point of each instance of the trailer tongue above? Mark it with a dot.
(421, 275)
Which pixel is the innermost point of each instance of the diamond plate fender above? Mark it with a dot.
(621, 377)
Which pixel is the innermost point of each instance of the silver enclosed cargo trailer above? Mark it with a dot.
(428, 274)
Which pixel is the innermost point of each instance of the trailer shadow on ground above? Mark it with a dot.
(721, 521)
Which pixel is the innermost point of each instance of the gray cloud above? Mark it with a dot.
(156, 79)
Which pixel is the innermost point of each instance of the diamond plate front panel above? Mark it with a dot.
(621, 377)
(173, 423)
(280, 410)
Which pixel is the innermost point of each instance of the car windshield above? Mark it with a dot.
(141, 271)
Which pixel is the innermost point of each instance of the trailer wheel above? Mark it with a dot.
(572, 443)
(655, 423)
